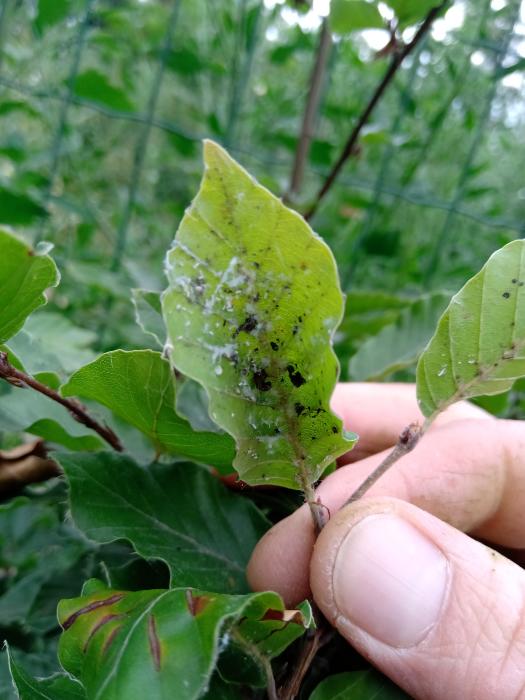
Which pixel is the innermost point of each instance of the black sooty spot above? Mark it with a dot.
(334, 429)
(299, 408)
(506, 295)
(249, 324)
(295, 330)
(260, 379)
(296, 377)
(274, 345)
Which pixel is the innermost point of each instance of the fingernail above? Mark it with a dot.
(390, 580)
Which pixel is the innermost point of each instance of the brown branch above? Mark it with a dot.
(405, 444)
(24, 465)
(314, 641)
(75, 408)
(311, 110)
(350, 148)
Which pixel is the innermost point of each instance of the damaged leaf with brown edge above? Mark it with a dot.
(252, 304)
(162, 644)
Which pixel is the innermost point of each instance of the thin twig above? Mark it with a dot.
(350, 149)
(311, 109)
(314, 641)
(79, 413)
(405, 444)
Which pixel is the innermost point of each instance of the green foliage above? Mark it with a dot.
(58, 687)
(349, 15)
(250, 311)
(360, 685)
(139, 387)
(162, 644)
(94, 86)
(479, 345)
(25, 276)
(178, 513)
(398, 345)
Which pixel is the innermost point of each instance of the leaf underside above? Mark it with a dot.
(479, 345)
(251, 308)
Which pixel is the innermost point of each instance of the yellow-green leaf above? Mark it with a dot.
(251, 309)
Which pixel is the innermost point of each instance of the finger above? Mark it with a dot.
(470, 474)
(379, 412)
(439, 613)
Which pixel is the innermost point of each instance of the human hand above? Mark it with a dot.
(438, 612)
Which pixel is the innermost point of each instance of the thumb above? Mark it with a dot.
(439, 613)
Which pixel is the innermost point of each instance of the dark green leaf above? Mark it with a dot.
(398, 345)
(252, 304)
(59, 687)
(139, 387)
(18, 209)
(179, 513)
(95, 87)
(50, 12)
(360, 685)
(24, 277)
(411, 11)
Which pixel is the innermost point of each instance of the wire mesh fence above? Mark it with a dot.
(104, 104)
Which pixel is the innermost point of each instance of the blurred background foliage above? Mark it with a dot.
(104, 104)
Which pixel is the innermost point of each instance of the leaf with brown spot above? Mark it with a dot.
(164, 644)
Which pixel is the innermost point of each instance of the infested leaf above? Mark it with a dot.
(24, 277)
(252, 304)
(178, 513)
(139, 387)
(158, 644)
(479, 345)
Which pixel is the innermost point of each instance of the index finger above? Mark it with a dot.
(379, 412)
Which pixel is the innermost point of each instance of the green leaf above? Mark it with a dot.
(18, 209)
(157, 644)
(139, 387)
(148, 314)
(411, 11)
(251, 307)
(59, 687)
(95, 87)
(350, 15)
(479, 344)
(178, 513)
(23, 410)
(398, 345)
(24, 277)
(49, 340)
(358, 685)
(50, 12)
(519, 65)
(35, 548)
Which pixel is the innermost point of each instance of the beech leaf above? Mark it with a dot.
(251, 309)
(177, 513)
(479, 345)
(161, 644)
(24, 277)
(139, 387)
